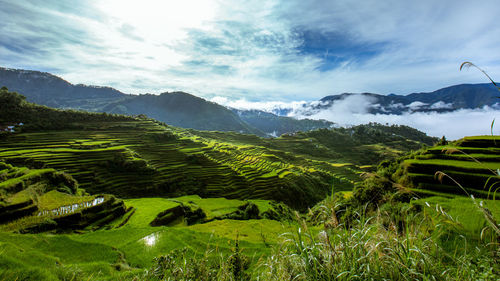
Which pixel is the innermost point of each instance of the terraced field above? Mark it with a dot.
(138, 158)
(36, 201)
(472, 162)
(39, 200)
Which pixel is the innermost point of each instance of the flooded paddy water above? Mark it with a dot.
(69, 209)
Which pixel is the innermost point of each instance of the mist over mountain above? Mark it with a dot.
(452, 98)
(465, 96)
(454, 111)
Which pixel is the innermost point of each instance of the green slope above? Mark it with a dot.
(471, 162)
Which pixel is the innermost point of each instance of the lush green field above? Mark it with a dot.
(126, 250)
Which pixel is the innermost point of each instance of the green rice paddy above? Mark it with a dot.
(471, 162)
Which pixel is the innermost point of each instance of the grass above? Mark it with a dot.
(145, 212)
(373, 247)
(463, 210)
(213, 207)
(263, 231)
(456, 164)
(368, 251)
(428, 248)
(99, 251)
(196, 237)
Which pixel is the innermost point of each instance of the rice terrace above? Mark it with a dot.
(274, 169)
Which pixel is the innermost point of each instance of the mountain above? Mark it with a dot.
(178, 108)
(182, 110)
(185, 110)
(464, 96)
(275, 125)
(50, 90)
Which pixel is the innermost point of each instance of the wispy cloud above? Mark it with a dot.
(254, 50)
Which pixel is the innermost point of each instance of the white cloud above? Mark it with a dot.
(268, 106)
(396, 105)
(441, 105)
(352, 104)
(416, 105)
(453, 125)
(253, 50)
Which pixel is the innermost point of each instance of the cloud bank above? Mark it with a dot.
(254, 50)
(453, 125)
(354, 110)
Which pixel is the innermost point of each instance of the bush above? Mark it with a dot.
(183, 264)
(373, 191)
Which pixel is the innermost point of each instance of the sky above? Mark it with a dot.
(273, 51)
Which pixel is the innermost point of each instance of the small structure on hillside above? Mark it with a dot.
(9, 128)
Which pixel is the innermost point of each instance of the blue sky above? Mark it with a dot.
(276, 50)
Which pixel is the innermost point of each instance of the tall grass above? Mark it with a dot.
(372, 249)
(406, 245)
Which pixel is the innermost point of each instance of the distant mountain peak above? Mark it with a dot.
(462, 96)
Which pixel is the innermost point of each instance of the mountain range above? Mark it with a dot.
(176, 108)
(185, 110)
(463, 96)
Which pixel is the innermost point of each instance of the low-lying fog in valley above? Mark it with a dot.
(355, 110)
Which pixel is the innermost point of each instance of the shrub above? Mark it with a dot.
(184, 264)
